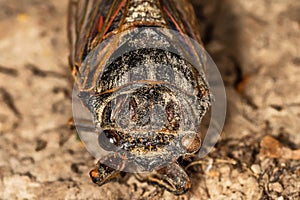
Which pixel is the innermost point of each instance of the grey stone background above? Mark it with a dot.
(256, 45)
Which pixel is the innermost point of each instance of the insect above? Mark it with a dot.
(139, 78)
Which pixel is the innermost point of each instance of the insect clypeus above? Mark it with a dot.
(140, 87)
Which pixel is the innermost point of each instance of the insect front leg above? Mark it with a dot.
(107, 169)
(172, 177)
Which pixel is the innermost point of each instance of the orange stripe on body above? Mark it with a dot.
(114, 16)
(173, 20)
(100, 25)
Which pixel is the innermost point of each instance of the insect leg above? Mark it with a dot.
(172, 177)
(103, 173)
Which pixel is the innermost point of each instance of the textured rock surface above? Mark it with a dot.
(254, 43)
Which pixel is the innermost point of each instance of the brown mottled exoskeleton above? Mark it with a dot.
(145, 97)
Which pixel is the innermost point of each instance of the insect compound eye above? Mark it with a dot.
(191, 142)
(109, 140)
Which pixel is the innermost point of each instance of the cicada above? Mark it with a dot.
(140, 87)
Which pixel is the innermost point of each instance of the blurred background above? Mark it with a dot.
(254, 43)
